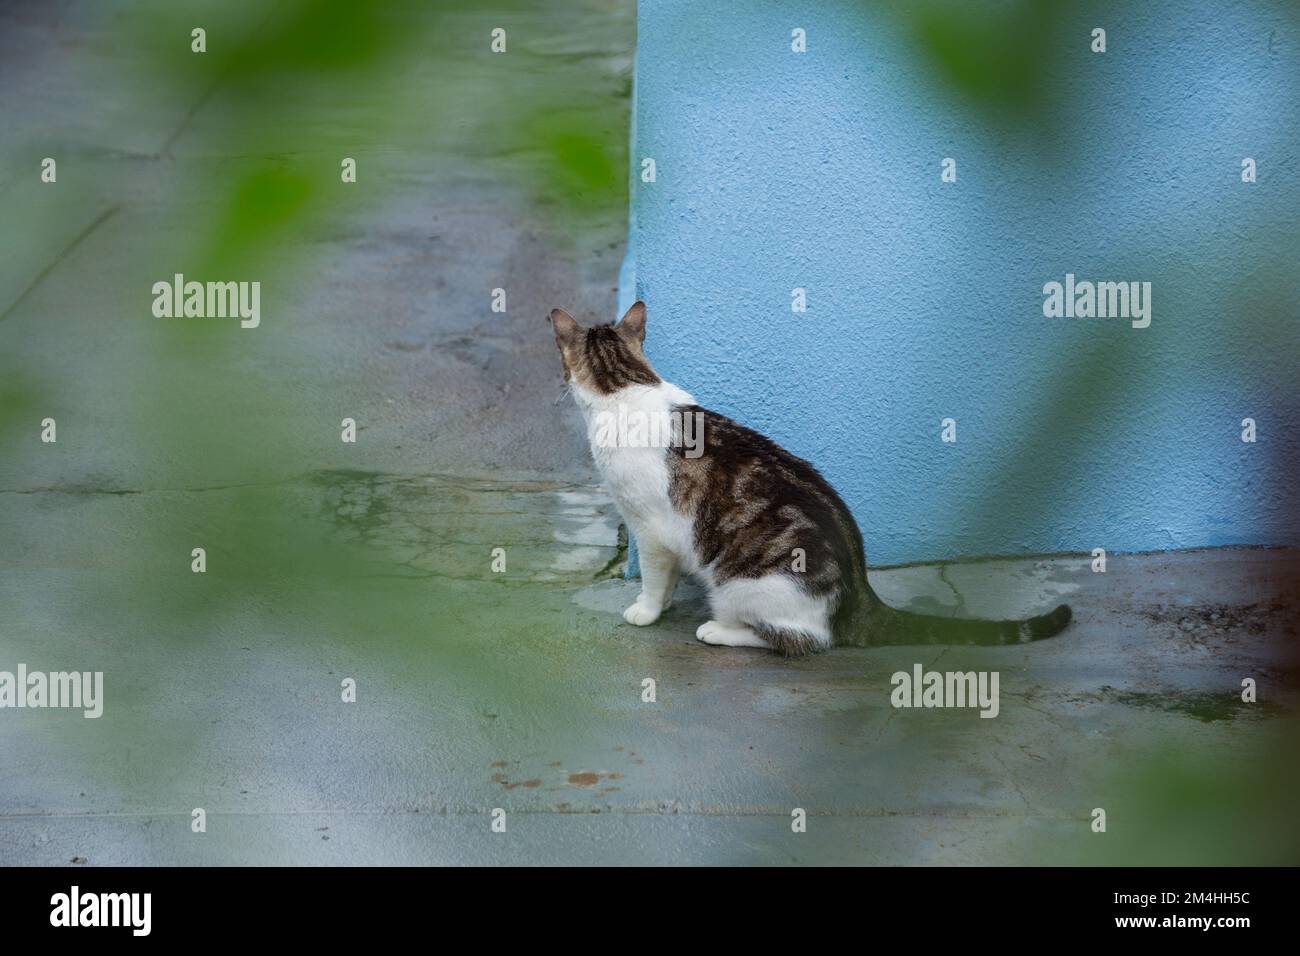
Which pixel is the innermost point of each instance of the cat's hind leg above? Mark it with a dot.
(774, 610)
(729, 635)
(659, 572)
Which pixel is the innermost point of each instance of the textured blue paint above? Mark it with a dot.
(778, 170)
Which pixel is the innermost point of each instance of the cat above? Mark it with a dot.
(778, 552)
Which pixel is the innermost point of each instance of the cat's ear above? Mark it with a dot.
(632, 325)
(566, 328)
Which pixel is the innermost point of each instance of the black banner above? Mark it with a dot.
(333, 905)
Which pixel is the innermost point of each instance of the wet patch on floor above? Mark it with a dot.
(1206, 706)
(476, 528)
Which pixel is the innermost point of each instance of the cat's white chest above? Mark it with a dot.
(637, 479)
(634, 464)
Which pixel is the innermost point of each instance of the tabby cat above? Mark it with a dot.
(777, 550)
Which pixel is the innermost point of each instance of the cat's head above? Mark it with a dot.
(604, 358)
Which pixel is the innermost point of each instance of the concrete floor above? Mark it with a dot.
(521, 690)
(527, 696)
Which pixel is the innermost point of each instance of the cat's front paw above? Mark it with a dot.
(641, 614)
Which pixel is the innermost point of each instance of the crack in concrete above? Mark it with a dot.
(1011, 777)
(961, 601)
(166, 150)
(98, 221)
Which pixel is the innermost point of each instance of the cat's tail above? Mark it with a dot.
(890, 625)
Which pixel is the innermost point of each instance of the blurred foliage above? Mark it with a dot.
(412, 75)
(1216, 804)
(586, 170)
(995, 55)
(225, 165)
(264, 207)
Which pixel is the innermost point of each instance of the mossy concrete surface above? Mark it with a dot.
(530, 696)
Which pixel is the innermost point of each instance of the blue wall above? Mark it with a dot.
(821, 170)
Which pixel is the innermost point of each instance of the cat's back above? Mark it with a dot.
(757, 508)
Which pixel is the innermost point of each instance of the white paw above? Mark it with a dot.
(728, 635)
(711, 632)
(641, 615)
